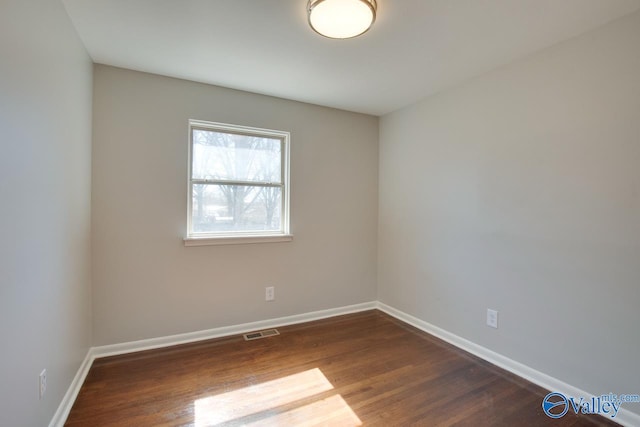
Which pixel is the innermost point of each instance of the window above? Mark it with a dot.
(238, 184)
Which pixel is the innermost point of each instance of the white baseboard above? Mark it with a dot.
(153, 343)
(624, 416)
(69, 398)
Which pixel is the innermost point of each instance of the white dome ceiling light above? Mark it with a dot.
(341, 19)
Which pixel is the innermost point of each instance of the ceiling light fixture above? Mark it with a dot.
(341, 19)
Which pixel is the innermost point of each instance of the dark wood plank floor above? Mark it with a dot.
(359, 369)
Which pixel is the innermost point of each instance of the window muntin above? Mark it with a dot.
(238, 181)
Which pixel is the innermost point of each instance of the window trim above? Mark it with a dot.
(239, 237)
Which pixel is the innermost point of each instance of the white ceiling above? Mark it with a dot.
(415, 48)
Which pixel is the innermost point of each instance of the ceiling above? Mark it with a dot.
(415, 48)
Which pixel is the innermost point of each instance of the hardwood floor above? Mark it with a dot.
(359, 369)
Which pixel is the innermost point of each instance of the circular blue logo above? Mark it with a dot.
(555, 405)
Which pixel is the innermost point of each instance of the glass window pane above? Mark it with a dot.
(224, 208)
(228, 156)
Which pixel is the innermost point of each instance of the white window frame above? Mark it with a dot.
(239, 237)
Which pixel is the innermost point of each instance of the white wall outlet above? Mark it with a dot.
(269, 293)
(43, 383)
(492, 318)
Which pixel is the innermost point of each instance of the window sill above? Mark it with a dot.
(236, 240)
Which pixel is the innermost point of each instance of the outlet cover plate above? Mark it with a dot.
(270, 293)
(492, 318)
(43, 383)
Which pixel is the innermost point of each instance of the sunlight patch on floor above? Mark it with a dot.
(262, 400)
(332, 411)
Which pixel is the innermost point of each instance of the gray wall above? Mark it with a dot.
(45, 181)
(148, 284)
(520, 191)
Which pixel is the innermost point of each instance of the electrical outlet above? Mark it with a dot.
(270, 293)
(492, 318)
(43, 383)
